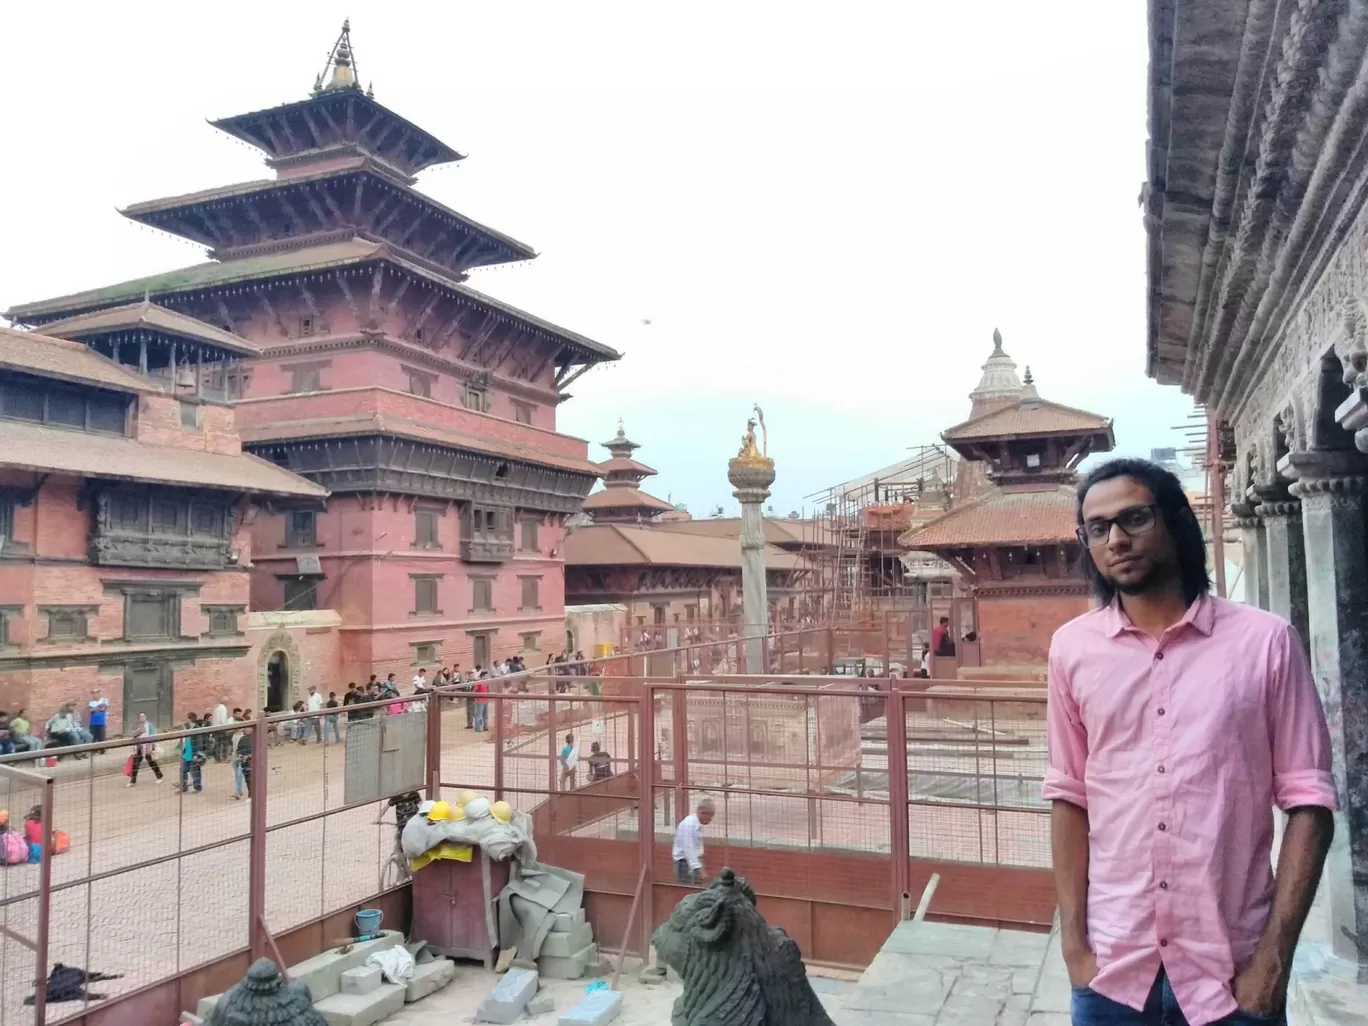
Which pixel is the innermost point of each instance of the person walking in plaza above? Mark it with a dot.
(315, 705)
(687, 850)
(330, 724)
(569, 762)
(98, 708)
(480, 701)
(242, 758)
(1175, 720)
(145, 750)
(191, 759)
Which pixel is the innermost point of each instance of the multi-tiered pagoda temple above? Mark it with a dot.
(622, 500)
(335, 310)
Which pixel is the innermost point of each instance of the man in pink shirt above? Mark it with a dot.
(1176, 720)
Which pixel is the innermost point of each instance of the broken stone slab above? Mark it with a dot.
(361, 980)
(508, 998)
(361, 1009)
(571, 968)
(564, 922)
(563, 945)
(594, 1009)
(429, 977)
(541, 1004)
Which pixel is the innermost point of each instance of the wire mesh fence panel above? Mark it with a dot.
(975, 765)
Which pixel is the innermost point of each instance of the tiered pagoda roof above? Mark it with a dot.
(622, 499)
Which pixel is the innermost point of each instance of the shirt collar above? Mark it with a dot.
(1201, 615)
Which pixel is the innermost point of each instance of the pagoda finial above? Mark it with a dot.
(370, 90)
(1028, 380)
(341, 63)
(622, 432)
(997, 343)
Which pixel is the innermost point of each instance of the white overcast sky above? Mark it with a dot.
(825, 209)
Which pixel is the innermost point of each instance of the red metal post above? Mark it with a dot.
(499, 744)
(434, 746)
(896, 721)
(646, 811)
(887, 646)
(831, 650)
(680, 755)
(40, 954)
(256, 871)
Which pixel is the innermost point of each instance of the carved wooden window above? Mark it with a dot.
(306, 326)
(425, 594)
(306, 377)
(67, 623)
(167, 516)
(129, 513)
(301, 529)
(476, 398)
(531, 641)
(151, 616)
(479, 643)
(420, 382)
(301, 593)
(482, 595)
(205, 519)
(529, 535)
(424, 652)
(6, 520)
(425, 529)
(223, 620)
(23, 397)
(690, 613)
(531, 594)
(9, 615)
(523, 412)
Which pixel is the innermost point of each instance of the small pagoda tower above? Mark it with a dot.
(622, 501)
(998, 388)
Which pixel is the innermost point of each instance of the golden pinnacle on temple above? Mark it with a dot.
(342, 64)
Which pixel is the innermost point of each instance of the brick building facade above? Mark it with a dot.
(425, 409)
(125, 535)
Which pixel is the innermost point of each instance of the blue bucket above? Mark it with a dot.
(368, 921)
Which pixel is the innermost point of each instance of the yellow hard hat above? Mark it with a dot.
(457, 813)
(439, 812)
(501, 811)
(465, 798)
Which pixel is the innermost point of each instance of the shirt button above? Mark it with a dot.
(1161, 710)
(1158, 655)
(1163, 943)
(1161, 769)
(1163, 885)
(1163, 826)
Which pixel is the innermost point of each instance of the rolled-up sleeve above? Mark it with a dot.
(1301, 740)
(1066, 739)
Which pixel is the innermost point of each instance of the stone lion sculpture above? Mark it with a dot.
(737, 969)
(262, 998)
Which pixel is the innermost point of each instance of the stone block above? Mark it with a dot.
(598, 968)
(205, 1008)
(323, 973)
(571, 968)
(361, 1009)
(1019, 950)
(361, 980)
(508, 998)
(563, 945)
(429, 977)
(944, 939)
(594, 1009)
(564, 922)
(541, 1004)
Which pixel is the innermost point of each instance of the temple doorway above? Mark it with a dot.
(277, 682)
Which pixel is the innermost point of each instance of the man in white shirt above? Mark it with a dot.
(420, 682)
(687, 851)
(220, 744)
(315, 705)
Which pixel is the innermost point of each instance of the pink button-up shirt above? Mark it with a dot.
(1177, 748)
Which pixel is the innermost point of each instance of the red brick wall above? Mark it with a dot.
(159, 423)
(365, 389)
(1016, 630)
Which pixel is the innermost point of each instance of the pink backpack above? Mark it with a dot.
(13, 848)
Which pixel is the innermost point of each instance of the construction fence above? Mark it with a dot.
(836, 798)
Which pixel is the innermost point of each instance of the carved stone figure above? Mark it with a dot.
(262, 998)
(737, 969)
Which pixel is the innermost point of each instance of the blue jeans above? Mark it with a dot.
(330, 726)
(190, 771)
(1089, 1008)
(238, 783)
(482, 716)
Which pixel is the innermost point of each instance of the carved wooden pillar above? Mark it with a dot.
(1331, 486)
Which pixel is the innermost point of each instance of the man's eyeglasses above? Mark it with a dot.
(1132, 521)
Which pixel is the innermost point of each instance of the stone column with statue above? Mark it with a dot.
(751, 472)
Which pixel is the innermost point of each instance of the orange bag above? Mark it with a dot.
(61, 842)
